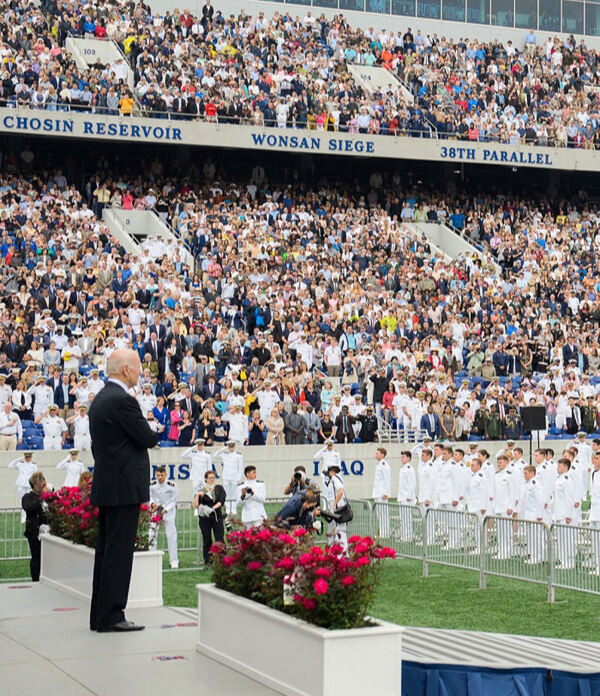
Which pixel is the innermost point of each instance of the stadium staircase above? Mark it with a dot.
(450, 240)
(133, 227)
(372, 78)
(86, 52)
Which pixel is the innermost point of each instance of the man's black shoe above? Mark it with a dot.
(121, 627)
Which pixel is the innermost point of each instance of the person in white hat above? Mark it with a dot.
(200, 461)
(82, 440)
(233, 470)
(26, 467)
(74, 468)
(44, 396)
(55, 429)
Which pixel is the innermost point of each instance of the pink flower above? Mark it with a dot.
(324, 572)
(287, 563)
(300, 532)
(321, 586)
(228, 561)
(361, 547)
(305, 559)
(348, 580)
(286, 538)
(308, 603)
(254, 565)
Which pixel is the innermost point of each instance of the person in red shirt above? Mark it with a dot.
(211, 110)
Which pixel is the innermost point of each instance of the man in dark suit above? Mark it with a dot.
(121, 437)
(430, 422)
(154, 346)
(344, 426)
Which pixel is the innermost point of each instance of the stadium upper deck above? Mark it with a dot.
(291, 72)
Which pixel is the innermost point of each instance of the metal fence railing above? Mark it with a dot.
(453, 538)
(576, 556)
(563, 556)
(13, 545)
(401, 527)
(518, 549)
(362, 521)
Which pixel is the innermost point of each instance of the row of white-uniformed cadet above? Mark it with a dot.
(447, 479)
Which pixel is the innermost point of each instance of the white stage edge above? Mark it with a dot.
(47, 648)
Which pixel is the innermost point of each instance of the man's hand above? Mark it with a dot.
(569, 520)
(384, 497)
(454, 503)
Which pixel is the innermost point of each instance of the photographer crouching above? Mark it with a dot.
(301, 510)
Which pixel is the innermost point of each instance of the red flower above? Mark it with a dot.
(361, 548)
(336, 549)
(362, 561)
(389, 552)
(317, 551)
(286, 538)
(300, 532)
(287, 563)
(156, 518)
(228, 561)
(321, 586)
(254, 565)
(324, 572)
(308, 603)
(305, 559)
(218, 547)
(348, 580)
(265, 534)
(354, 539)
(144, 507)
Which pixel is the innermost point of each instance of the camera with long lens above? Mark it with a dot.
(297, 476)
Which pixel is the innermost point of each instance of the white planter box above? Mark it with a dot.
(293, 657)
(70, 568)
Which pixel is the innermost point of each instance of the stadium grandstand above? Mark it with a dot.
(365, 229)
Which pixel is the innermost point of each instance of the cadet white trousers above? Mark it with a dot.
(566, 542)
(82, 442)
(52, 442)
(170, 527)
(505, 534)
(595, 525)
(21, 491)
(230, 486)
(383, 517)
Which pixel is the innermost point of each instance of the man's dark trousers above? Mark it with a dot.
(117, 530)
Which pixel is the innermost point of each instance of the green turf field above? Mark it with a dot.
(449, 598)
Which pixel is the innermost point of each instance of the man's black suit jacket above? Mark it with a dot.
(121, 437)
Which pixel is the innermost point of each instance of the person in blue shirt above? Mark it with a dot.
(300, 509)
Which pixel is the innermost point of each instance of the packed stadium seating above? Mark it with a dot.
(299, 292)
(295, 73)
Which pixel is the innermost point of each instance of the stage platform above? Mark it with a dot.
(47, 648)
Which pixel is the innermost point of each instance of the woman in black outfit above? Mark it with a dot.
(32, 504)
(210, 502)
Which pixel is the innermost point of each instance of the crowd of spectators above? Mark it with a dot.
(292, 72)
(312, 311)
